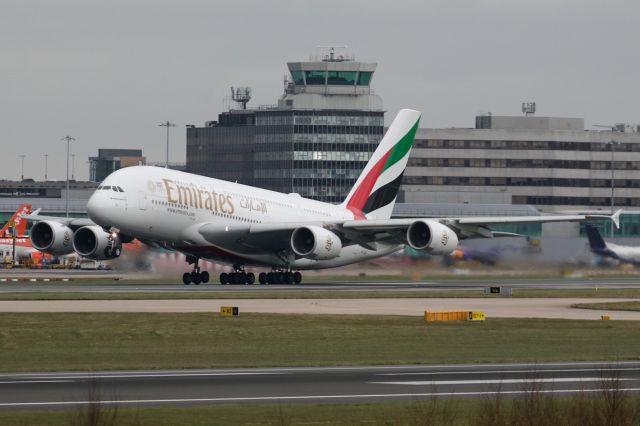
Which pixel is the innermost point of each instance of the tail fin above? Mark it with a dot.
(595, 238)
(16, 221)
(375, 191)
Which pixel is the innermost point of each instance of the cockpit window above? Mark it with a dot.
(120, 189)
(106, 188)
(99, 188)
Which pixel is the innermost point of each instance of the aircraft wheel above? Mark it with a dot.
(279, 277)
(186, 278)
(262, 278)
(297, 277)
(205, 277)
(243, 278)
(288, 278)
(271, 279)
(224, 278)
(195, 278)
(117, 252)
(251, 278)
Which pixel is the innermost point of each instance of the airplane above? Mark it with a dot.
(240, 225)
(487, 256)
(16, 222)
(627, 254)
(23, 246)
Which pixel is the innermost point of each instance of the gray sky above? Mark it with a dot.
(108, 72)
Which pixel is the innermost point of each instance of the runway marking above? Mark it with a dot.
(530, 371)
(459, 369)
(73, 378)
(300, 397)
(492, 381)
(20, 382)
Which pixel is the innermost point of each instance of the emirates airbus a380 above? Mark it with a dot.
(241, 225)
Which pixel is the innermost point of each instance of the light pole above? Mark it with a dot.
(167, 124)
(22, 166)
(613, 143)
(73, 167)
(66, 198)
(46, 161)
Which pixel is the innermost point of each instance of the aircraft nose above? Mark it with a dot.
(94, 208)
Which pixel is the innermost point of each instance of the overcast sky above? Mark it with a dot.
(108, 72)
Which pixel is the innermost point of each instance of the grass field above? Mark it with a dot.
(103, 341)
(385, 413)
(611, 306)
(51, 294)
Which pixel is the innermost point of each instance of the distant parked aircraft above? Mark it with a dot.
(16, 226)
(628, 254)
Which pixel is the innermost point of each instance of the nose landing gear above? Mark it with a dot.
(196, 276)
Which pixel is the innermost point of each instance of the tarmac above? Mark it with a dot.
(556, 308)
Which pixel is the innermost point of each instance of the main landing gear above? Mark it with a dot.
(196, 276)
(237, 276)
(280, 277)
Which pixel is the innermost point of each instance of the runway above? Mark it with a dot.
(311, 385)
(82, 285)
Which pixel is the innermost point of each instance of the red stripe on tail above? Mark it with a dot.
(360, 196)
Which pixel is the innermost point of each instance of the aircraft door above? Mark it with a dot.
(142, 200)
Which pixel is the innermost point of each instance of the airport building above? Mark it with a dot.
(50, 196)
(314, 142)
(110, 160)
(549, 163)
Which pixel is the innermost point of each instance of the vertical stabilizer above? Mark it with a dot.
(375, 192)
(595, 238)
(16, 221)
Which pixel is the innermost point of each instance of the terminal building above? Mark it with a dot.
(50, 196)
(550, 163)
(314, 142)
(110, 160)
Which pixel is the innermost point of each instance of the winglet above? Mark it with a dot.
(616, 218)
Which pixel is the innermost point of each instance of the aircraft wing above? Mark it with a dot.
(475, 227)
(276, 236)
(71, 222)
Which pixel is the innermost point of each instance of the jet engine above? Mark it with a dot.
(314, 242)
(432, 237)
(52, 237)
(94, 243)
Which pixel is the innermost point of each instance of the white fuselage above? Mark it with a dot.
(169, 207)
(625, 253)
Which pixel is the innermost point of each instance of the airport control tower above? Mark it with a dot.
(331, 81)
(314, 142)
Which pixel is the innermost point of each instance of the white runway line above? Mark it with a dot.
(497, 381)
(298, 398)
